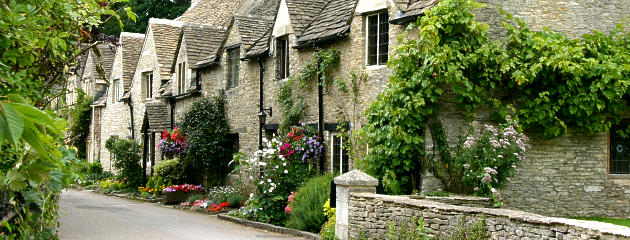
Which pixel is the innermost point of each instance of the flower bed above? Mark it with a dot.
(179, 193)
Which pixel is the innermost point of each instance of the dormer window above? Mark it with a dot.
(181, 78)
(233, 66)
(377, 38)
(282, 48)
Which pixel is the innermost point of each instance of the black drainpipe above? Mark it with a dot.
(260, 101)
(320, 101)
(131, 114)
(172, 102)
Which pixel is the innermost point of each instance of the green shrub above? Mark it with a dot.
(150, 183)
(235, 199)
(127, 159)
(307, 208)
(95, 168)
(169, 170)
(209, 147)
(81, 116)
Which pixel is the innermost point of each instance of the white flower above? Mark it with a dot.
(286, 171)
(493, 190)
(276, 166)
(262, 164)
(251, 195)
(268, 180)
(261, 182)
(284, 164)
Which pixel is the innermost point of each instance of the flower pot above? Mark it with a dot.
(175, 197)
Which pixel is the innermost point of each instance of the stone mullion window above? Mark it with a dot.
(283, 57)
(233, 67)
(116, 90)
(148, 84)
(619, 152)
(181, 78)
(377, 37)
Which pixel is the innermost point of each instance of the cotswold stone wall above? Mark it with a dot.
(370, 215)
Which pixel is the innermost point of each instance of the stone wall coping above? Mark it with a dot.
(461, 198)
(356, 178)
(607, 228)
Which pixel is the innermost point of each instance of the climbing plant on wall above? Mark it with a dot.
(553, 82)
(290, 94)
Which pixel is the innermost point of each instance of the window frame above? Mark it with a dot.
(116, 90)
(342, 152)
(181, 78)
(609, 155)
(147, 79)
(378, 61)
(282, 44)
(233, 67)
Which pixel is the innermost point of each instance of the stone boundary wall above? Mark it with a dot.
(458, 200)
(270, 227)
(371, 214)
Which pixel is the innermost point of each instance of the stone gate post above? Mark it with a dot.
(354, 181)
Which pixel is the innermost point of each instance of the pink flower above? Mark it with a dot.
(287, 209)
(291, 197)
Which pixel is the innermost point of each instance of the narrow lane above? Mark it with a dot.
(88, 215)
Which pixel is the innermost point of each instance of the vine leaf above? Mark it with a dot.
(14, 122)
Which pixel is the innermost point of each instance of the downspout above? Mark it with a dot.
(320, 107)
(261, 101)
(133, 136)
(172, 102)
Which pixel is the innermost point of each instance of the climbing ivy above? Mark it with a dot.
(545, 79)
(290, 94)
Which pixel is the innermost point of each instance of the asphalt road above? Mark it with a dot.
(87, 215)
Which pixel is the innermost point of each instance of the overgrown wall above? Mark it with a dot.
(371, 214)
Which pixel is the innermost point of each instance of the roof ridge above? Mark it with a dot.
(131, 34)
(162, 21)
(201, 25)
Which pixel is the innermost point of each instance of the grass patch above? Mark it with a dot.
(616, 221)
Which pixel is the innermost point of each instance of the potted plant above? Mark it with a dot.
(179, 193)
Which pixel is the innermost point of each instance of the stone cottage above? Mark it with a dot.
(98, 67)
(116, 113)
(261, 43)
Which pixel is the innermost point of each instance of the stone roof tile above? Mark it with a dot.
(157, 116)
(333, 21)
(202, 41)
(416, 8)
(106, 60)
(302, 12)
(131, 44)
(213, 12)
(166, 34)
(252, 29)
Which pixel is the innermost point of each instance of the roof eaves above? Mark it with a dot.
(323, 40)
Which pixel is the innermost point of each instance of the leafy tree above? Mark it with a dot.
(144, 10)
(39, 42)
(206, 129)
(81, 117)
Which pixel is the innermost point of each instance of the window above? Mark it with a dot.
(147, 79)
(181, 78)
(232, 71)
(283, 57)
(116, 90)
(338, 155)
(377, 38)
(619, 157)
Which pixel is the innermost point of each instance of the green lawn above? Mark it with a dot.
(616, 221)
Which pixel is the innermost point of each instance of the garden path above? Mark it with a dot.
(88, 215)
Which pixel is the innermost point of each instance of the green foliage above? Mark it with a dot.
(546, 80)
(81, 117)
(127, 154)
(95, 168)
(143, 10)
(150, 183)
(169, 170)
(307, 208)
(209, 148)
(328, 229)
(235, 199)
(290, 94)
(40, 40)
(194, 197)
(415, 230)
